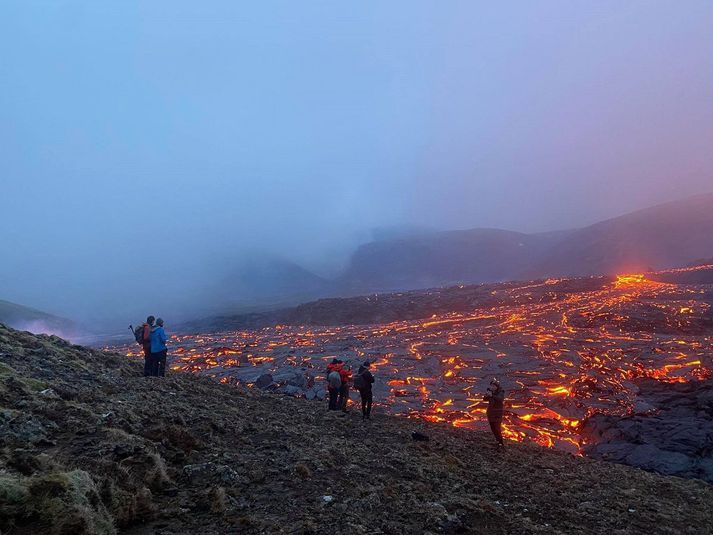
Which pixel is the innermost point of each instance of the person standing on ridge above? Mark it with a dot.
(159, 350)
(345, 374)
(334, 383)
(362, 382)
(146, 344)
(495, 396)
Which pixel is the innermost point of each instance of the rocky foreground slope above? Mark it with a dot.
(87, 445)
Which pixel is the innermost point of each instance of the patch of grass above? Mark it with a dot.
(77, 508)
(157, 477)
(12, 491)
(218, 500)
(57, 503)
(6, 370)
(34, 384)
(14, 495)
(303, 471)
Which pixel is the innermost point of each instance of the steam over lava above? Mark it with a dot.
(563, 349)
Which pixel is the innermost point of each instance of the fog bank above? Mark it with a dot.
(148, 149)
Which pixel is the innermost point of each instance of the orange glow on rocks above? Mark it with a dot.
(562, 348)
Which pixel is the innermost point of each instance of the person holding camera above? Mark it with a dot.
(495, 396)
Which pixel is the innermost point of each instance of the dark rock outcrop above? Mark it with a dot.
(670, 431)
(264, 381)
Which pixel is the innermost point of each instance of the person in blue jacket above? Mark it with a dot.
(158, 349)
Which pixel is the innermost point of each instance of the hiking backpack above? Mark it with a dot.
(359, 381)
(334, 380)
(139, 335)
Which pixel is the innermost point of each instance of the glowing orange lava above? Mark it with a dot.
(563, 349)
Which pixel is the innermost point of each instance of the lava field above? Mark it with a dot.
(562, 348)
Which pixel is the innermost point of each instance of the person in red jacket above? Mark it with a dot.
(346, 376)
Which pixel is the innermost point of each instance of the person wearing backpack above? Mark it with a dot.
(159, 349)
(362, 382)
(334, 383)
(142, 335)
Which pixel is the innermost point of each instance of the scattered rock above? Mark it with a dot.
(264, 381)
(49, 394)
(210, 473)
(293, 391)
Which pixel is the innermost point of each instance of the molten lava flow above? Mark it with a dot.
(563, 349)
(624, 281)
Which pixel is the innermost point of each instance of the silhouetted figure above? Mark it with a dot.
(334, 383)
(345, 374)
(159, 350)
(495, 396)
(146, 344)
(362, 382)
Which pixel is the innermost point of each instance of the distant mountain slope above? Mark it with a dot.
(264, 279)
(30, 319)
(385, 307)
(442, 258)
(662, 236)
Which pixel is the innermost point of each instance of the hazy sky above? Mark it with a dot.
(144, 146)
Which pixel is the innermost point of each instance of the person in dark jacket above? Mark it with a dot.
(146, 344)
(345, 374)
(362, 382)
(495, 396)
(159, 349)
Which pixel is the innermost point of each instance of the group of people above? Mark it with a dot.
(152, 337)
(339, 376)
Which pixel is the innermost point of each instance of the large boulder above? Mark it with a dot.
(264, 381)
(649, 457)
(670, 430)
(291, 390)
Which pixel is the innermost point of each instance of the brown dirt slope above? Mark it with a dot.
(87, 445)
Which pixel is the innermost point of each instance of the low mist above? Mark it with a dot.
(150, 151)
